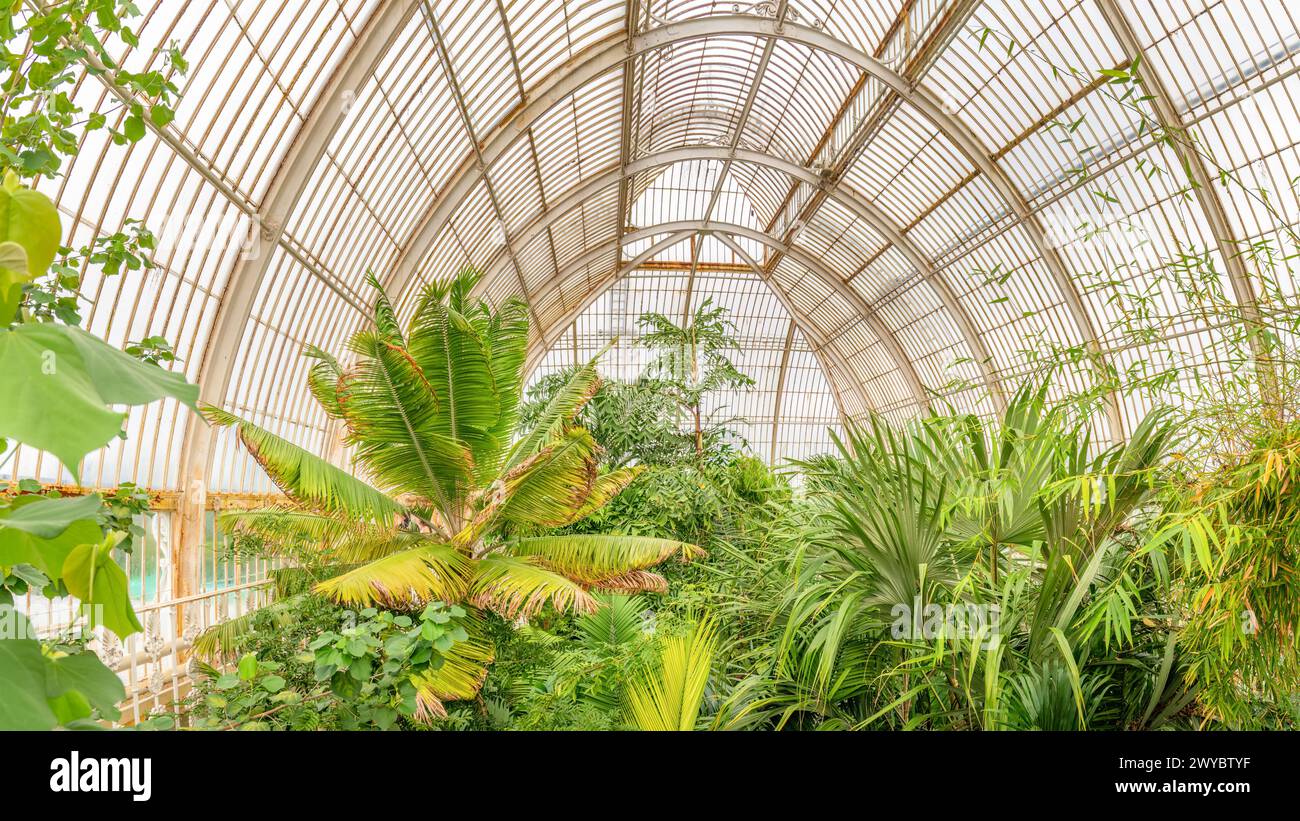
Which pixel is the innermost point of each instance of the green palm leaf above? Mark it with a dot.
(669, 697)
(224, 638)
(306, 478)
(453, 353)
(605, 488)
(394, 419)
(618, 621)
(323, 380)
(507, 339)
(593, 559)
(557, 415)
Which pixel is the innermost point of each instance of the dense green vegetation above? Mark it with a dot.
(61, 388)
(957, 573)
(517, 561)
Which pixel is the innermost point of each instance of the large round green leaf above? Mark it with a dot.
(29, 239)
(58, 381)
(23, 543)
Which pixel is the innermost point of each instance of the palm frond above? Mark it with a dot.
(453, 353)
(430, 571)
(385, 317)
(307, 478)
(556, 416)
(633, 581)
(507, 339)
(619, 620)
(514, 586)
(394, 415)
(323, 379)
(668, 699)
(594, 559)
(551, 486)
(460, 677)
(225, 638)
(605, 488)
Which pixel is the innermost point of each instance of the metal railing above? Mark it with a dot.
(155, 664)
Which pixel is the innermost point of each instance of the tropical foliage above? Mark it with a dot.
(458, 505)
(692, 361)
(62, 390)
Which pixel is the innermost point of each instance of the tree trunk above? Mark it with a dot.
(699, 435)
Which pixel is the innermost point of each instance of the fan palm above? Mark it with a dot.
(1019, 517)
(458, 503)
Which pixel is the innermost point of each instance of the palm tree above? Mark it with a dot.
(692, 359)
(458, 507)
(1022, 515)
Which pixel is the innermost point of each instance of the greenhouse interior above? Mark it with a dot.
(612, 365)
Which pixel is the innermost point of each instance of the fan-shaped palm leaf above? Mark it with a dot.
(619, 620)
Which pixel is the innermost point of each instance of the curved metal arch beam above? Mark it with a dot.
(615, 176)
(1216, 216)
(235, 308)
(814, 266)
(821, 347)
(678, 232)
(602, 58)
(863, 209)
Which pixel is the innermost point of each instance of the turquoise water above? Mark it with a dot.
(141, 564)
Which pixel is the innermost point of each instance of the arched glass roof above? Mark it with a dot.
(888, 193)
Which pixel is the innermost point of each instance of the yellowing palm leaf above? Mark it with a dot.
(634, 581)
(430, 571)
(605, 488)
(553, 484)
(515, 586)
(307, 478)
(464, 667)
